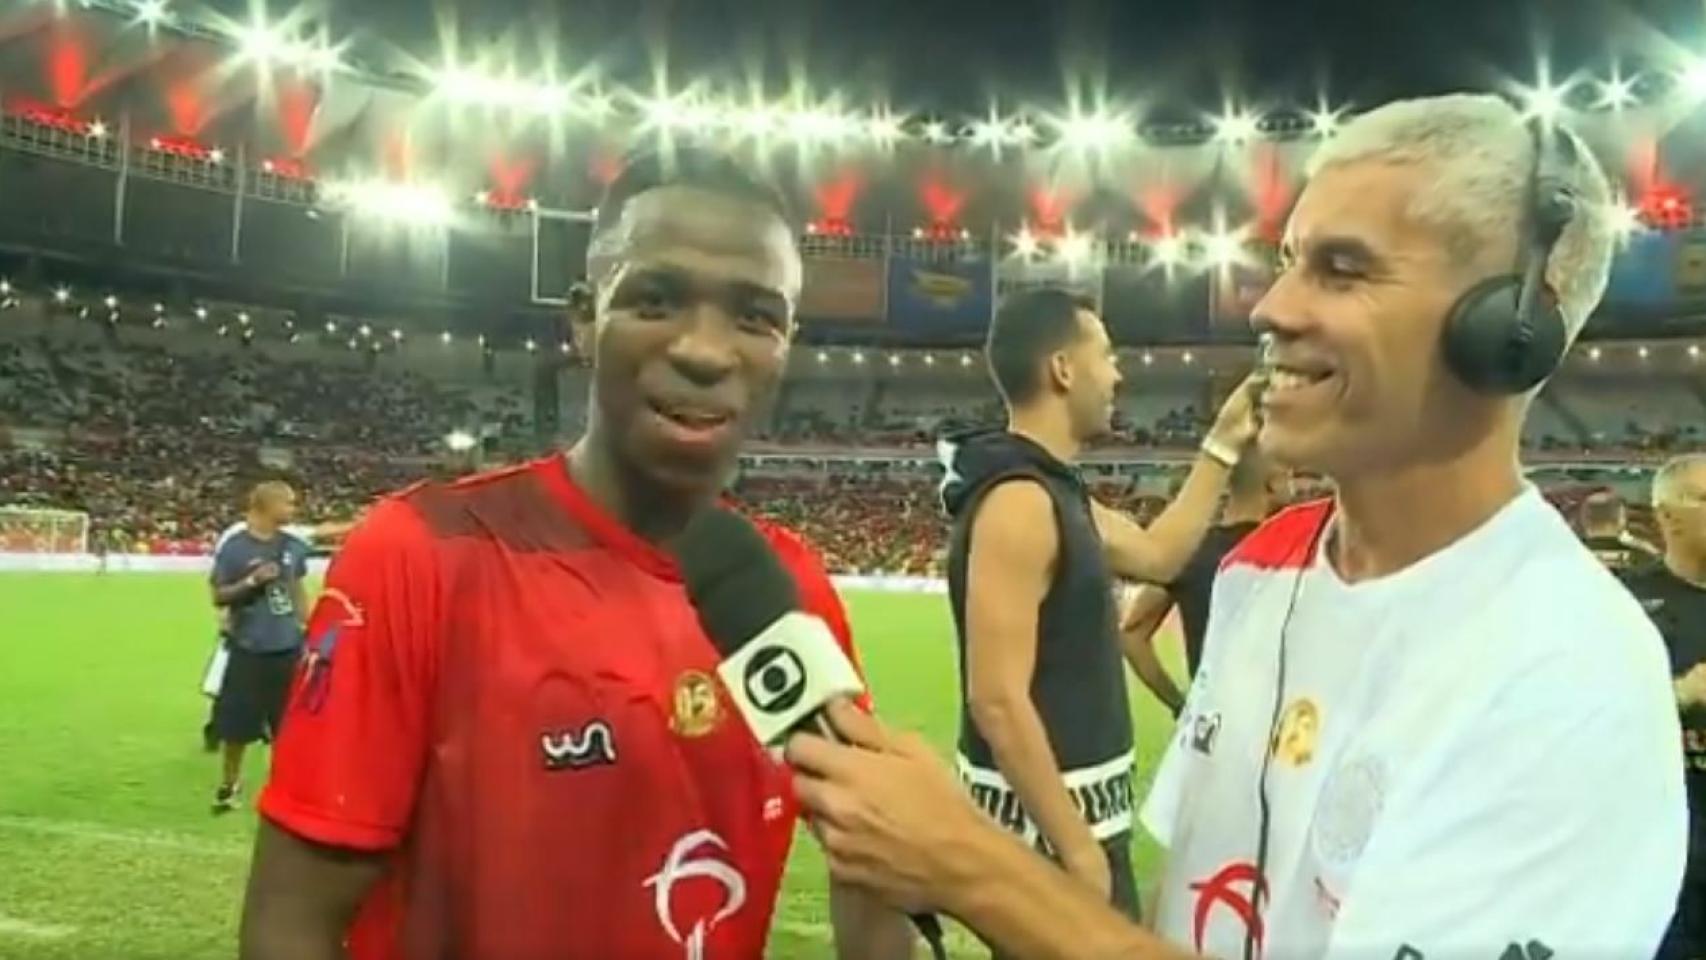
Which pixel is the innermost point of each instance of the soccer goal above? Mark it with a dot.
(41, 530)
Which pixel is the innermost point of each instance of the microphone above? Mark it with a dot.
(781, 666)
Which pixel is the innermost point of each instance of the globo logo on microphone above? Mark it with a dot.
(786, 673)
(775, 679)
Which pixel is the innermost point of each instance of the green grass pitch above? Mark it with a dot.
(107, 848)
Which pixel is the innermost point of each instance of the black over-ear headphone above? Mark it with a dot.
(1506, 334)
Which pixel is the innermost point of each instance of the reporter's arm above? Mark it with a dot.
(1019, 904)
(865, 927)
(1014, 544)
(1138, 629)
(302, 896)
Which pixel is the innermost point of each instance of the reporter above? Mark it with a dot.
(1427, 722)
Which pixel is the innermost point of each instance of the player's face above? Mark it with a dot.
(1684, 519)
(1095, 378)
(693, 322)
(1356, 314)
(281, 506)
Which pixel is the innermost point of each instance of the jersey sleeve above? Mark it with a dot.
(227, 563)
(1560, 830)
(348, 761)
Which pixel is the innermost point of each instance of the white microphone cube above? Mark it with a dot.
(787, 673)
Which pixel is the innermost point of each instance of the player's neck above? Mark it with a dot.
(1687, 567)
(650, 514)
(260, 527)
(1388, 520)
(1047, 429)
(1253, 510)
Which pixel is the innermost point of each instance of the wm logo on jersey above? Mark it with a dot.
(593, 745)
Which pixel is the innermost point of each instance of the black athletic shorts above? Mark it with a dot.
(251, 701)
(1686, 938)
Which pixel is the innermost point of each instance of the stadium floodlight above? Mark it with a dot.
(98, 130)
(1692, 80)
(1224, 248)
(822, 356)
(216, 155)
(1694, 351)
(678, 113)
(564, 347)
(1617, 92)
(930, 360)
(1625, 219)
(1022, 132)
(366, 331)
(459, 441)
(1075, 249)
(201, 313)
(884, 128)
(530, 345)
(965, 360)
(5, 288)
(263, 44)
(331, 326)
(894, 359)
(1148, 359)
(1187, 358)
(1025, 243)
(858, 356)
(937, 132)
(111, 302)
(1594, 354)
(1092, 131)
(819, 125)
(1235, 127)
(445, 338)
(1169, 251)
(1643, 352)
(159, 307)
(243, 317)
(322, 58)
(396, 335)
(1545, 102)
(756, 122)
(1324, 122)
(150, 12)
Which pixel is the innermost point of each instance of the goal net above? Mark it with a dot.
(41, 530)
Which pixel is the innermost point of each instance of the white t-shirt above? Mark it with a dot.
(1475, 753)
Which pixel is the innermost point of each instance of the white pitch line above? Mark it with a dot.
(160, 839)
(29, 930)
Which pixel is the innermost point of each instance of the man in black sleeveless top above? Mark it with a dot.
(1255, 491)
(1045, 729)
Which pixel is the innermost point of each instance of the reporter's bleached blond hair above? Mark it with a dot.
(1481, 153)
(268, 490)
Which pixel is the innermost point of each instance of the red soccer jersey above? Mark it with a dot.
(508, 690)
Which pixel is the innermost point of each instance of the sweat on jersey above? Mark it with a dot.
(508, 692)
(1474, 753)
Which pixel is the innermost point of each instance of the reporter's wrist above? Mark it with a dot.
(1221, 450)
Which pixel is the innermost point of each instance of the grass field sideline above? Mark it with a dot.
(108, 848)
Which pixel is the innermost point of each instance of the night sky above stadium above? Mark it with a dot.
(1175, 56)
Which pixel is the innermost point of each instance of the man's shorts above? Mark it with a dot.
(1686, 938)
(251, 701)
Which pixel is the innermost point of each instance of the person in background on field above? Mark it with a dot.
(1045, 724)
(1604, 521)
(257, 582)
(1256, 490)
(1673, 592)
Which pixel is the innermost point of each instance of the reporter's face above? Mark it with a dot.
(1356, 315)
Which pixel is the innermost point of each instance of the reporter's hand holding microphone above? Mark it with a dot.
(790, 680)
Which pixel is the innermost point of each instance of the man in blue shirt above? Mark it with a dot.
(257, 578)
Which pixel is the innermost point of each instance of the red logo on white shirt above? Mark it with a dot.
(1223, 888)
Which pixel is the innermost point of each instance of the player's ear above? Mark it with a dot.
(582, 316)
(1060, 370)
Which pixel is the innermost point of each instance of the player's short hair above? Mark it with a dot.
(1482, 153)
(1601, 510)
(1028, 327)
(267, 490)
(1667, 482)
(683, 166)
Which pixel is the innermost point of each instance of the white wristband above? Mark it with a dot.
(1217, 451)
